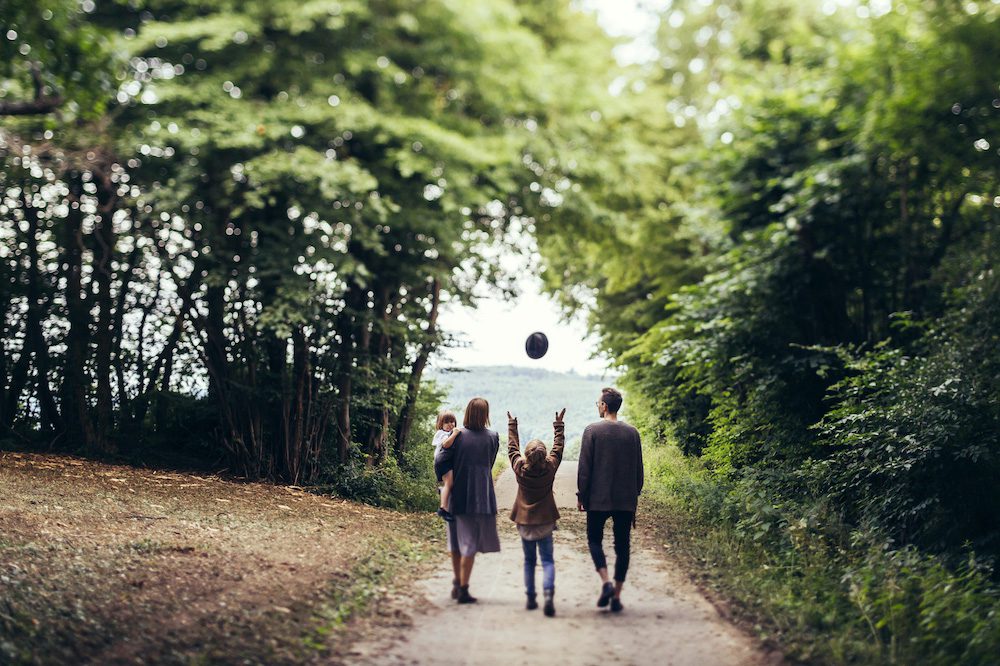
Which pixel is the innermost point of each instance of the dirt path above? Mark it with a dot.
(665, 621)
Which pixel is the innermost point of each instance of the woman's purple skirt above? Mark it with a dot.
(473, 533)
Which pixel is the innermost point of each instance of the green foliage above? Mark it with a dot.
(919, 610)
(806, 304)
(404, 486)
(846, 190)
(381, 485)
(408, 484)
(826, 594)
(906, 426)
(262, 206)
(72, 58)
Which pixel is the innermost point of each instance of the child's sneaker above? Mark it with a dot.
(616, 605)
(532, 603)
(444, 513)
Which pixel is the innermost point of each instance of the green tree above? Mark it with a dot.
(282, 197)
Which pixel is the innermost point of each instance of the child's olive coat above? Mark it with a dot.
(535, 504)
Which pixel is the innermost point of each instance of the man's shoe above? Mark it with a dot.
(444, 513)
(607, 592)
(550, 605)
(532, 604)
(464, 597)
(455, 588)
(616, 605)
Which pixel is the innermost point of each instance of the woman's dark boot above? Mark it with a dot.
(550, 604)
(532, 604)
(464, 597)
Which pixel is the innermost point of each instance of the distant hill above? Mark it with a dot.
(532, 395)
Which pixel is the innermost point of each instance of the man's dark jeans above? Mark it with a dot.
(621, 526)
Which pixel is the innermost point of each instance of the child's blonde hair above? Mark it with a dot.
(534, 453)
(445, 417)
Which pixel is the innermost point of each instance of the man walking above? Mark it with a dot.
(609, 480)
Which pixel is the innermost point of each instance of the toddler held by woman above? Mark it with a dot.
(447, 431)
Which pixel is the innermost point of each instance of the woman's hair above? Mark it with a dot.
(534, 453)
(477, 414)
(445, 417)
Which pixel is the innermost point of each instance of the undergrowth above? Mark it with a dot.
(367, 582)
(821, 592)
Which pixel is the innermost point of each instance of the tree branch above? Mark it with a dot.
(42, 103)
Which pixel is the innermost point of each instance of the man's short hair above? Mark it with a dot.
(611, 397)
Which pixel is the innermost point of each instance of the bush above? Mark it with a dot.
(407, 484)
(918, 610)
(387, 484)
(916, 437)
(803, 578)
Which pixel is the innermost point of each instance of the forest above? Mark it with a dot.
(227, 230)
(803, 294)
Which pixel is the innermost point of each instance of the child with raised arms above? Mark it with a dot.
(535, 511)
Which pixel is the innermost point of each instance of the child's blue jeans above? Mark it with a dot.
(544, 547)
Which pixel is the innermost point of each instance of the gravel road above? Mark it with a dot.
(666, 620)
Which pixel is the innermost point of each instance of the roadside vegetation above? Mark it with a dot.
(812, 586)
(807, 306)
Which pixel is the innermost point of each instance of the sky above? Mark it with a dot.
(494, 331)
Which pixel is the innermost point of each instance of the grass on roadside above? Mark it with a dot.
(502, 462)
(389, 563)
(109, 564)
(820, 593)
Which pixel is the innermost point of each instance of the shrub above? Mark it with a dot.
(827, 594)
(916, 437)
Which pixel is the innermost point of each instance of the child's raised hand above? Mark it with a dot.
(560, 415)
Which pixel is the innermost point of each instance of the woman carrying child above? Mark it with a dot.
(535, 511)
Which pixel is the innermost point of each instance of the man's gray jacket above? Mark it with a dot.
(610, 474)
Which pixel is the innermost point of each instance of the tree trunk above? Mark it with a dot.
(14, 376)
(405, 422)
(378, 432)
(345, 371)
(35, 343)
(148, 380)
(298, 411)
(79, 430)
(103, 332)
(273, 394)
(118, 334)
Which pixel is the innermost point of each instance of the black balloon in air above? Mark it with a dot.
(536, 345)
